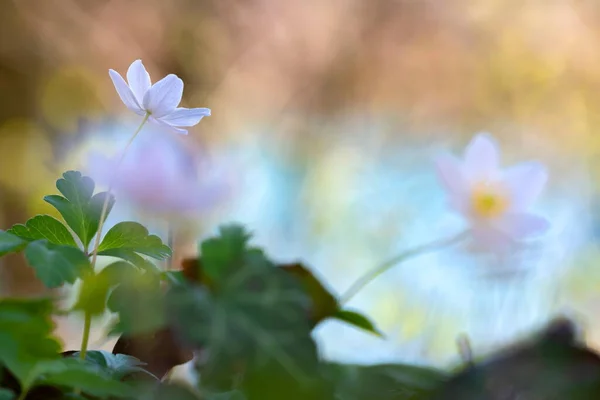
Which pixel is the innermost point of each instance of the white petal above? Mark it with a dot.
(186, 116)
(167, 126)
(139, 80)
(522, 225)
(488, 239)
(525, 182)
(451, 176)
(164, 96)
(125, 93)
(481, 157)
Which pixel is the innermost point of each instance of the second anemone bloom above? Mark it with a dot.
(496, 202)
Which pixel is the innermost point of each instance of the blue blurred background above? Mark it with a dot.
(326, 115)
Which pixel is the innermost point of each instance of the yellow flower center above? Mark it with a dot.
(488, 201)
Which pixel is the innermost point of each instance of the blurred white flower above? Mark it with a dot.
(495, 201)
(158, 101)
(160, 175)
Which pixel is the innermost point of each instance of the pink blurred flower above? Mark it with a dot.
(495, 201)
(160, 175)
(159, 101)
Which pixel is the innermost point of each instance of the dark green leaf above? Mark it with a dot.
(139, 301)
(94, 290)
(255, 320)
(56, 265)
(220, 255)
(72, 373)
(6, 394)
(323, 303)
(10, 243)
(80, 208)
(117, 366)
(167, 391)
(383, 382)
(358, 320)
(126, 239)
(44, 227)
(25, 337)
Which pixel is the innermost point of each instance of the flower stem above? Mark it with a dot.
(88, 318)
(371, 275)
(86, 335)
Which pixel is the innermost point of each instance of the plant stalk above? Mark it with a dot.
(88, 318)
(371, 275)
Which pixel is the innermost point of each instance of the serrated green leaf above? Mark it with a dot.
(222, 254)
(126, 239)
(255, 320)
(383, 382)
(117, 366)
(44, 227)
(25, 337)
(93, 294)
(139, 301)
(10, 243)
(79, 207)
(72, 373)
(6, 394)
(358, 320)
(56, 265)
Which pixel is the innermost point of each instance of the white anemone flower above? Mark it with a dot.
(496, 202)
(158, 101)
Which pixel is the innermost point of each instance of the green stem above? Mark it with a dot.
(371, 275)
(23, 394)
(88, 318)
(86, 335)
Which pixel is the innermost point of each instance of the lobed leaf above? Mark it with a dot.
(44, 227)
(79, 207)
(56, 265)
(10, 243)
(126, 239)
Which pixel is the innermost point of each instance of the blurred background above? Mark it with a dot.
(325, 118)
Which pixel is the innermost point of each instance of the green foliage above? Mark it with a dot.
(44, 227)
(139, 301)
(126, 239)
(383, 382)
(117, 366)
(80, 207)
(6, 394)
(224, 253)
(356, 319)
(55, 265)
(94, 291)
(71, 373)
(10, 243)
(26, 343)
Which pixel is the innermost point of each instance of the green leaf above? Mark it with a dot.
(168, 391)
(358, 320)
(139, 301)
(80, 208)
(93, 294)
(44, 227)
(10, 243)
(6, 394)
(383, 382)
(56, 265)
(126, 239)
(255, 320)
(117, 366)
(25, 337)
(72, 373)
(222, 254)
(324, 305)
